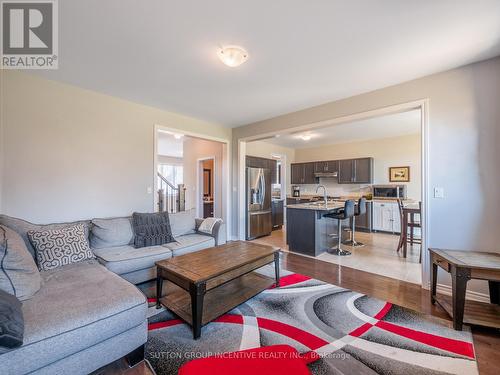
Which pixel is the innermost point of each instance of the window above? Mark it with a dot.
(173, 173)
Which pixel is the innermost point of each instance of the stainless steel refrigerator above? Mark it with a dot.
(259, 219)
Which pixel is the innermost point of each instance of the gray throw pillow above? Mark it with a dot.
(111, 232)
(151, 229)
(18, 272)
(56, 248)
(11, 322)
(183, 222)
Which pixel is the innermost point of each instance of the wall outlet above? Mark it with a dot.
(438, 192)
(150, 190)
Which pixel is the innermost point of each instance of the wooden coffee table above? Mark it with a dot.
(208, 283)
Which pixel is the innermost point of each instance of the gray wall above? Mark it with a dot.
(71, 153)
(464, 133)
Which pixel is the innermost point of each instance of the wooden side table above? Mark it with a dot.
(464, 266)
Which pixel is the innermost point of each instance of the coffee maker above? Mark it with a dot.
(295, 191)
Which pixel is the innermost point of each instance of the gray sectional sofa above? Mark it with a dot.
(88, 314)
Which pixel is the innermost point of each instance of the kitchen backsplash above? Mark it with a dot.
(335, 189)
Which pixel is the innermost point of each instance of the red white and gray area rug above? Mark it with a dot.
(335, 330)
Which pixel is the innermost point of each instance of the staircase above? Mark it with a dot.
(171, 198)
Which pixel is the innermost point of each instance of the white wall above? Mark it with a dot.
(71, 153)
(195, 149)
(386, 152)
(464, 156)
(266, 150)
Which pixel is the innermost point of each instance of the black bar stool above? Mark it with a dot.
(341, 214)
(360, 209)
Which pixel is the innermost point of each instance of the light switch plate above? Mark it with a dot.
(438, 192)
(150, 190)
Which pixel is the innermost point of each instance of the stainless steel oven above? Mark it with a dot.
(389, 191)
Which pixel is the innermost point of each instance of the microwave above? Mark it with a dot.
(389, 191)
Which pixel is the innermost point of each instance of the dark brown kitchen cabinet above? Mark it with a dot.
(277, 213)
(302, 173)
(309, 177)
(330, 166)
(346, 171)
(363, 169)
(356, 171)
(297, 175)
(256, 162)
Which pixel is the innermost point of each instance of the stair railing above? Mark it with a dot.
(171, 198)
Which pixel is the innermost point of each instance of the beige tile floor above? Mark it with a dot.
(378, 256)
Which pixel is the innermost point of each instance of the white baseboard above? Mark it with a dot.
(470, 295)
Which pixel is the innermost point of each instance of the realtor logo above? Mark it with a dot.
(29, 34)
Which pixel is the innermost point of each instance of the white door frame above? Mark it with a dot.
(422, 105)
(199, 185)
(224, 174)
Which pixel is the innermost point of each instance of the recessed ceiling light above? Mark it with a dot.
(305, 137)
(277, 135)
(232, 55)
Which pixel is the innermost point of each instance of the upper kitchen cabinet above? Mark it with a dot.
(330, 166)
(271, 164)
(356, 171)
(346, 171)
(309, 177)
(303, 173)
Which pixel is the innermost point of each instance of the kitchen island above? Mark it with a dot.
(308, 231)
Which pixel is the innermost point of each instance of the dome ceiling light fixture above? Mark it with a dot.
(232, 56)
(306, 137)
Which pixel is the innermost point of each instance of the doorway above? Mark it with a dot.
(205, 191)
(388, 238)
(180, 158)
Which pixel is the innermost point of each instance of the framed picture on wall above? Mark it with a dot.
(399, 174)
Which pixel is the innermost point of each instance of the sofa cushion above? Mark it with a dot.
(18, 272)
(60, 247)
(151, 229)
(111, 232)
(11, 322)
(183, 222)
(22, 227)
(79, 305)
(190, 243)
(124, 259)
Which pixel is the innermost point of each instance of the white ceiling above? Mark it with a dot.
(168, 145)
(302, 53)
(395, 125)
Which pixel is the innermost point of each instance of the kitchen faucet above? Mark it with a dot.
(324, 193)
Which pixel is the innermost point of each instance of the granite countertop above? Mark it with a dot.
(317, 206)
(344, 198)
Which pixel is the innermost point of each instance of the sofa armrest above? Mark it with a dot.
(218, 231)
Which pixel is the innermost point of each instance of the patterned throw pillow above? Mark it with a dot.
(56, 248)
(151, 229)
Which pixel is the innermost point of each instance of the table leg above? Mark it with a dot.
(412, 220)
(434, 270)
(494, 292)
(197, 292)
(159, 285)
(459, 278)
(277, 268)
(405, 229)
